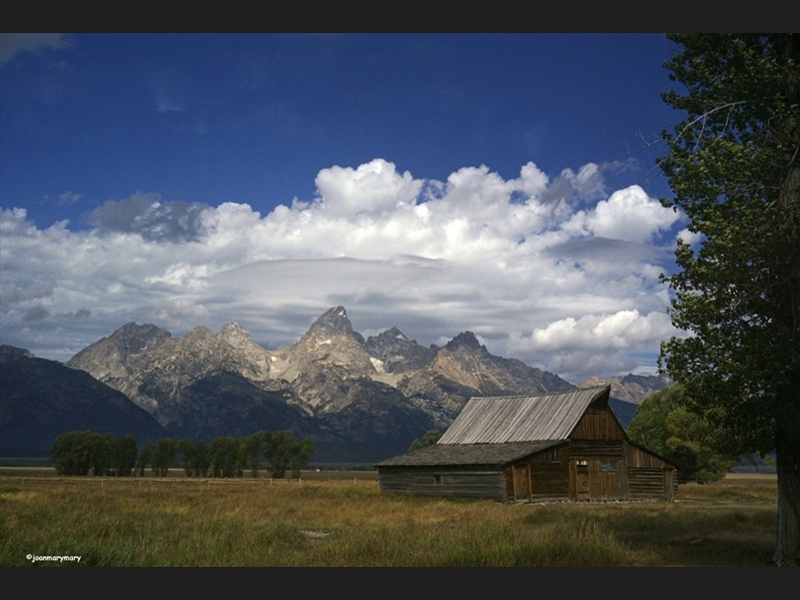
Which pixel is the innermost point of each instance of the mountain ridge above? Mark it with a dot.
(354, 397)
(41, 399)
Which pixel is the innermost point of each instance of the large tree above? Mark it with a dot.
(734, 166)
(664, 425)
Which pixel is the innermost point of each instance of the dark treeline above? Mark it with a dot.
(82, 452)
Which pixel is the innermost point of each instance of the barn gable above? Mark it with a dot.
(554, 446)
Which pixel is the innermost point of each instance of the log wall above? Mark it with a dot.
(452, 482)
(650, 476)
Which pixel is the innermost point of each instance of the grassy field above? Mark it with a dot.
(342, 519)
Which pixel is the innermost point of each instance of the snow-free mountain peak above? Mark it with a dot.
(466, 339)
(396, 353)
(332, 323)
(331, 381)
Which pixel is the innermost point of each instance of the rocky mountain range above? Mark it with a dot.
(360, 400)
(631, 388)
(41, 399)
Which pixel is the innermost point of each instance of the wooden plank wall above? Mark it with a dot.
(650, 476)
(446, 482)
(550, 478)
(641, 458)
(597, 424)
(646, 483)
(610, 483)
(597, 450)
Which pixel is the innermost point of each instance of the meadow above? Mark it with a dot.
(342, 519)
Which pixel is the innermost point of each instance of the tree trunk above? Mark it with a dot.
(787, 426)
(787, 548)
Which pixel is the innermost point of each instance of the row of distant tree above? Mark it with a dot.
(84, 452)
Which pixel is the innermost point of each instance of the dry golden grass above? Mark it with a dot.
(343, 523)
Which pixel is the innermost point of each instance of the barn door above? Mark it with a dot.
(669, 484)
(522, 482)
(582, 480)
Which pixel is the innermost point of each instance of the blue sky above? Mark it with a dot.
(502, 184)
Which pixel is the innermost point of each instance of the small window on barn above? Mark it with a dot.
(437, 480)
(608, 466)
(583, 463)
(555, 455)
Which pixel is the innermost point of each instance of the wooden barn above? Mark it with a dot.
(560, 446)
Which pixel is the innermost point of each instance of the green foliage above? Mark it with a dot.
(284, 452)
(222, 454)
(145, 458)
(415, 445)
(299, 453)
(123, 456)
(71, 453)
(194, 457)
(164, 455)
(431, 437)
(249, 454)
(734, 166)
(729, 164)
(100, 453)
(664, 424)
(78, 452)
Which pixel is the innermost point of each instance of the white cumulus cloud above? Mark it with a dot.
(511, 260)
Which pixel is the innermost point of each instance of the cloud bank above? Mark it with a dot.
(12, 44)
(555, 272)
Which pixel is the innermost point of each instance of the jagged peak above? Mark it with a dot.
(133, 329)
(201, 332)
(466, 339)
(392, 334)
(333, 314)
(396, 333)
(232, 328)
(234, 334)
(334, 322)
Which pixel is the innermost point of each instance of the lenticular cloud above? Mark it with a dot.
(542, 270)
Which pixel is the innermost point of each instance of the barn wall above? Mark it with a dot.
(550, 475)
(598, 470)
(583, 470)
(597, 450)
(650, 477)
(539, 478)
(598, 423)
(639, 458)
(452, 482)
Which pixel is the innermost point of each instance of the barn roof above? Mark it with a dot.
(532, 418)
(469, 454)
